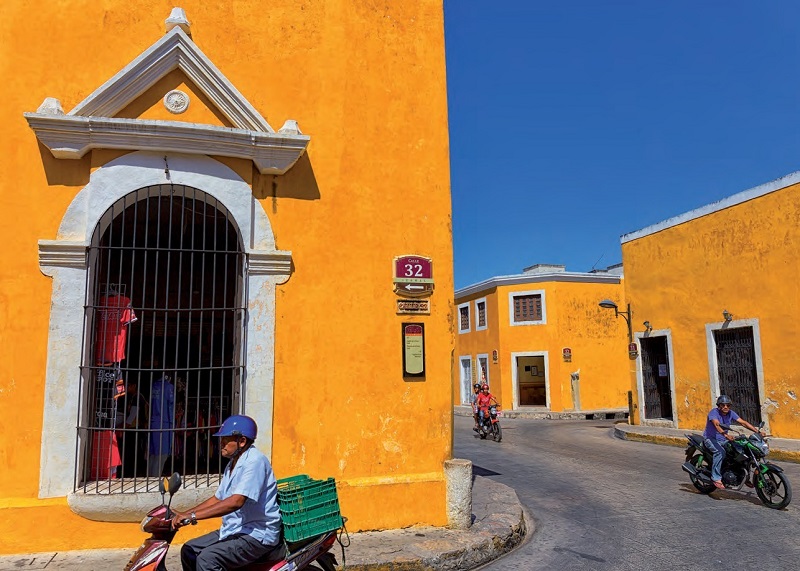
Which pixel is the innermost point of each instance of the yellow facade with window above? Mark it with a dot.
(718, 287)
(542, 343)
(316, 211)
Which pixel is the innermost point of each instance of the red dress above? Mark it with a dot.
(114, 314)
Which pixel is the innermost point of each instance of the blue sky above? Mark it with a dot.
(574, 122)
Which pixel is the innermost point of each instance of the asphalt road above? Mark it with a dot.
(603, 503)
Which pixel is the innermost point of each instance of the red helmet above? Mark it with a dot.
(484, 386)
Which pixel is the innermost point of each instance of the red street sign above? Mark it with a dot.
(413, 270)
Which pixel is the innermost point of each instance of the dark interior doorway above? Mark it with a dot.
(736, 367)
(656, 378)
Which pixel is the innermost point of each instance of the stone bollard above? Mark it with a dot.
(458, 480)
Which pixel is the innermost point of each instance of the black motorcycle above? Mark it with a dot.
(744, 463)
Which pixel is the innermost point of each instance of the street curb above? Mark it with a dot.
(775, 451)
(676, 441)
(491, 536)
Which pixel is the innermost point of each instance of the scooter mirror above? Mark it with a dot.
(163, 484)
(174, 483)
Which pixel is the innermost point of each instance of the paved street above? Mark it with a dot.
(602, 503)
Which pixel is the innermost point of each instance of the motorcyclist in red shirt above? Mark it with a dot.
(485, 398)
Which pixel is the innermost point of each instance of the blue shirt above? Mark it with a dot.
(259, 517)
(711, 430)
(162, 411)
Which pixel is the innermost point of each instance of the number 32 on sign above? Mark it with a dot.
(413, 276)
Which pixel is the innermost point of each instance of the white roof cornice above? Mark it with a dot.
(516, 279)
(92, 123)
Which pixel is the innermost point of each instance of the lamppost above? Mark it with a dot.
(608, 304)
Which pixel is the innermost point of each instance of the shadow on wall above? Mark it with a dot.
(299, 182)
(65, 172)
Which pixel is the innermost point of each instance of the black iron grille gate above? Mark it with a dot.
(736, 365)
(163, 340)
(655, 378)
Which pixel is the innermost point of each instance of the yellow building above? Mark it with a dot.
(542, 342)
(209, 207)
(719, 289)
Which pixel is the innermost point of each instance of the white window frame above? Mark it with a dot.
(65, 260)
(485, 357)
(466, 389)
(513, 294)
(469, 318)
(478, 326)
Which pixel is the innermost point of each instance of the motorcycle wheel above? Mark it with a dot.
(697, 461)
(776, 493)
(497, 432)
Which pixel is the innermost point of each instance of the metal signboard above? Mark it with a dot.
(413, 350)
(413, 276)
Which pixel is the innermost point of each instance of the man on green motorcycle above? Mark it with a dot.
(715, 435)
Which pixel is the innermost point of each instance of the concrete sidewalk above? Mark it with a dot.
(779, 448)
(499, 525)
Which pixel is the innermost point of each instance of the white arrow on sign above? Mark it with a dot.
(410, 287)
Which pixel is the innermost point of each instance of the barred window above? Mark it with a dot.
(163, 341)
(463, 314)
(527, 308)
(481, 305)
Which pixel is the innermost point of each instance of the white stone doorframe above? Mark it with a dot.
(65, 260)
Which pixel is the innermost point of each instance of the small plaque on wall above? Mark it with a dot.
(413, 351)
(414, 306)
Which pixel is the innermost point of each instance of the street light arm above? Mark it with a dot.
(627, 316)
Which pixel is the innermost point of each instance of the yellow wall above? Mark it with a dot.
(743, 259)
(367, 83)
(598, 343)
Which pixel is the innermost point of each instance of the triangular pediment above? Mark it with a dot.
(96, 122)
(175, 50)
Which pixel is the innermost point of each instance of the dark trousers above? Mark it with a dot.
(210, 553)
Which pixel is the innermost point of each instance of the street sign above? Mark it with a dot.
(413, 276)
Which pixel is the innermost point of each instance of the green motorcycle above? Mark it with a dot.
(744, 464)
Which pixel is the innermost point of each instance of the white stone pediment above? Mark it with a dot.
(92, 123)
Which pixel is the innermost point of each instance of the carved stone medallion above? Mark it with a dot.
(176, 101)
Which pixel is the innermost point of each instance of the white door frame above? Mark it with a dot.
(515, 378)
(640, 377)
(713, 365)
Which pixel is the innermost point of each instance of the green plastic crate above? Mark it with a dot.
(308, 507)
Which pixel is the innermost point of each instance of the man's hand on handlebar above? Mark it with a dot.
(180, 519)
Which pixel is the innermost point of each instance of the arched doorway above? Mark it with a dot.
(163, 360)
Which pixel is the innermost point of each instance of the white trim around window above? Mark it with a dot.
(478, 326)
(485, 358)
(513, 294)
(469, 318)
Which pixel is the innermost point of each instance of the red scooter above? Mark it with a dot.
(312, 553)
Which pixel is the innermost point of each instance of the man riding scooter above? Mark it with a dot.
(247, 501)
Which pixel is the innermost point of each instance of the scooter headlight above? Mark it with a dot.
(145, 521)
